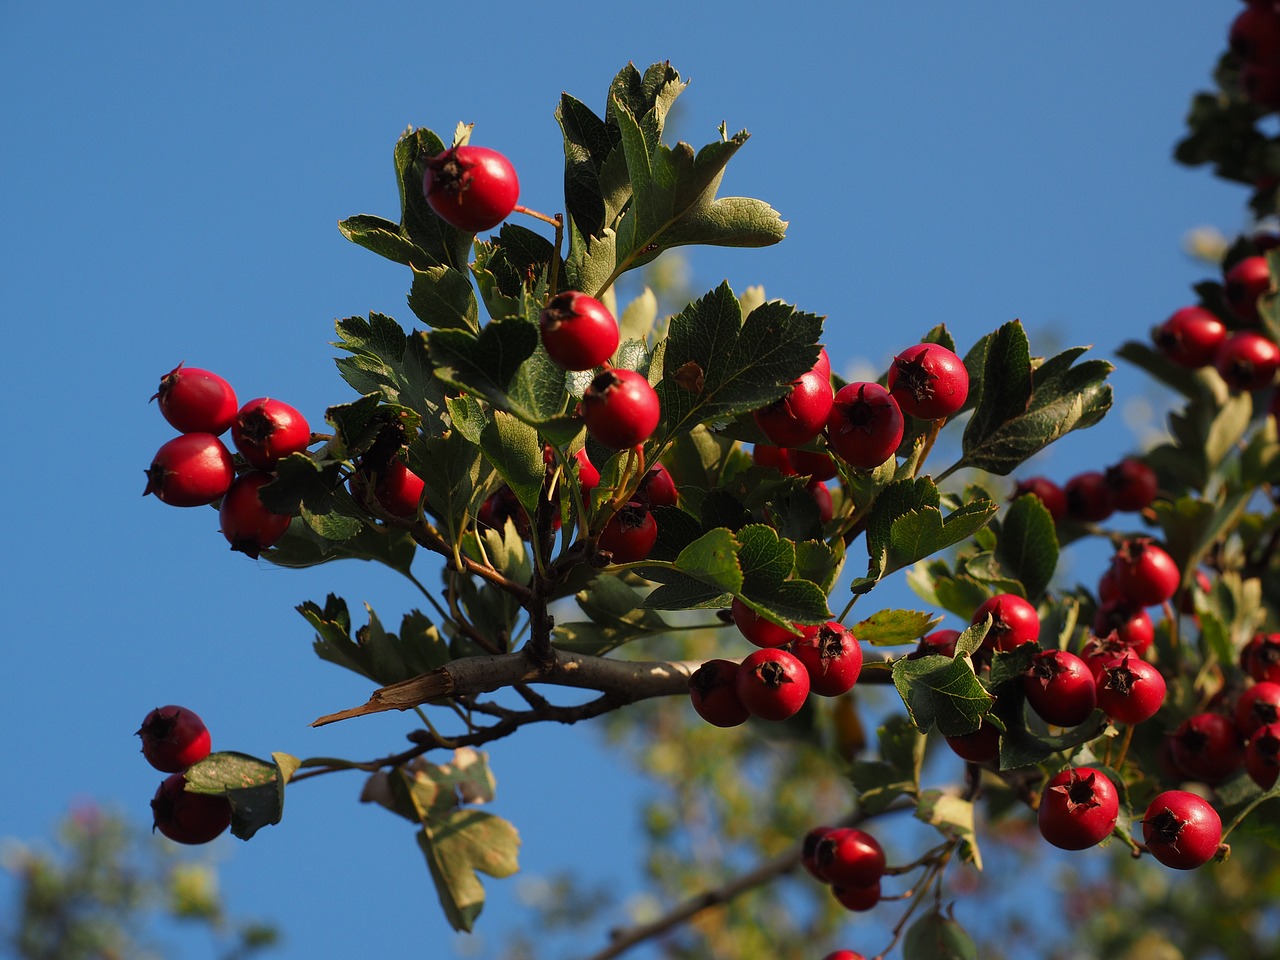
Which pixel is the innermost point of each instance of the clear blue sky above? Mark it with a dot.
(172, 175)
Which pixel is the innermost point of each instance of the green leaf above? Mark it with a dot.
(936, 937)
(896, 773)
(705, 572)
(487, 363)
(460, 845)
(906, 524)
(942, 692)
(254, 788)
(617, 615)
(443, 299)
(953, 816)
(374, 653)
(455, 475)
(387, 361)
(303, 547)
(1028, 544)
(1019, 747)
(515, 451)
(891, 627)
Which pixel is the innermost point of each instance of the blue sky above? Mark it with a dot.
(172, 178)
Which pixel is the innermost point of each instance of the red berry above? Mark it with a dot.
(980, 746)
(776, 457)
(588, 475)
(1261, 84)
(833, 657)
(472, 188)
(190, 471)
(620, 409)
(844, 955)
(940, 642)
(799, 416)
(809, 851)
(822, 497)
(1060, 688)
(1014, 622)
(246, 523)
(173, 738)
(1089, 497)
(578, 331)
(1078, 809)
(1051, 495)
(713, 691)
(1190, 337)
(928, 381)
(1261, 657)
(1207, 747)
(823, 364)
(1249, 279)
(630, 533)
(267, 430)
(657, 489)
(1247, 360)
(1262, 755)
(1255, 35)
(772, 684)
(815, 466)
(761, 632)
(1145, 573)
(399, 489)
(865, 425)
(1132, 626)
(1181, 830)
(857, 898)
(849, 857)
(188, 817)
(1133, 484)
(1257, 707)
(196, 401)
(1130, 690)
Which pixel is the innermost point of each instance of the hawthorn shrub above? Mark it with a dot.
(594, 479)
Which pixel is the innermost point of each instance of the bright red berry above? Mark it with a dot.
(1130, 690)
(1262, 755)
(1088, 497)
(833, 657)
(940, 642)
(1249, 279)
(630, 533)
(578, 331)
(399, 489)
(713, 691)
(822, 497)
(865, 425)
(980, 746)
(844, 955)
(799, 416)
(928, 381)
(1190, 337)
(173, 738)
(1014, 621)
(772, 684)
(1181, 830)
(823, 364)
(815, 466)
(859, 899)
(850, 857)
(471, 188)
(1051, 495)
(657, 489)
(1247, 360)
(196, 401)
(1257, 707)
(190, 470)
(267, 430)
(245, 521)
(1060, 688)
(1207, 747)
(1145, 573)
(1131, 625)
(1078, 809)
(620, 409)
(187, 817)
(769, 456)
(1261, 657)
(762, 632)
(1133, 484)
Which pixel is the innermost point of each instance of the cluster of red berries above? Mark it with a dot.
(174, 738)
(1255, 40)
(195, 468)
(1092, 496)
(850, 860)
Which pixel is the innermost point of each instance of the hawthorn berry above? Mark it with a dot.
(630, 533)
(844, 955)
(503, 505)
(190, 470)
(578, 331)
(657, 489)
(822, 497)
(173, 738)
(267, 430)
(814, 465)
(1078, 809)
(1051, 495)
(1132, 626)
(1207, 747)
(399, 489)
(713, 692)
(1133, 484)
(859, 899)
(196, 401)
(1190, 337)
(1060, 687)
(833, 658)
(1255, 34)
(1145, 574)
(1088, 497)
(1181, 830)
(939, 642)
(1247, 360)
(772, 684)
(799, 416)
(1014, 621)
(186, 817)
(1257, 707)
(849, 857)
(980, 746)
(245, 521)
(809, 851)
(471, 188)
(1130, 690)
(620, 409)
(928, 381)
(1245, 282)
(1260, 657)
(779, 458)
(1262, 755)
(760, 631)
(865, 425)
(1261, 84)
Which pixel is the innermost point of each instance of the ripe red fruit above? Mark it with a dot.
(1051, 495)
(713, 692)
(1060, 687)
(762, 632)
(772, 684)
(620, 409)
(940, 642)
(1078, 809)
(196, 401)
(849, 857)
(630, 533)
(1207, 747)
(776, 457)
(1014, 622)
(1261, 657)
(1262, 755)
(857, 898)
(928, 381)
(588, 475)
(1132, 626)
(1133, 484)
(399, 489)
(1255, 34)
(844, 955)
(1261, 84)
(1130, 690)
(173, 738)
(1181, 830)
(1247, 360)
(822, 497)
(823, 364)
(657, 489)
(1088, 497)
(1190, 337)
(799, 416)
(190, 471)
(815, 466)
(1257, 707)
(246, 523)
(833, 657)
(578, 331)
(267, 430)
(809, 851)
(1245, 282)
(188, 817)
(980, 746)
(865, 425)
(1145, 573)
(472, 188)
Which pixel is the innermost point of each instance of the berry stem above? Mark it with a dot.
(556, 221)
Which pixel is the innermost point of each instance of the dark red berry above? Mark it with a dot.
(1145, 573)
(1130, 690)
(1261, 657)
(928, 381)
(472, 188)
(776, 457)
(630, 533)
(1190, 337)
(173, 738)
(940, 642)
(833, 657)
(1051, 495)
(799, 416)
(859, 899)
(1133, 484)
(657, 489)
(1207, 747)
(815, 466)
(1247, 280)
(1257, 707)
(980, 746)
(1247, 360)
(620, 409)
(399, 489)
(578, 331)
(809, 851)
(1260, 82)
(1132, 626)
(762, 632)
(1060, 688)
(1014, 621)
(1262, 755)
(246, 523)
(1088, 497)
(865, 425)
(1255, 34)
(190, 471)
(822, 497)
(187, 817)
(772, 684)
(1181, 830)
(267, 430)
(713, 691)
(196, 401)
(850, 857)
(1078, 809)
